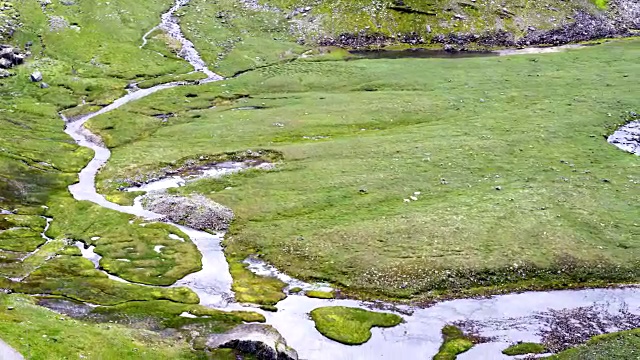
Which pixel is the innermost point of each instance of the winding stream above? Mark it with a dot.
(506, 318)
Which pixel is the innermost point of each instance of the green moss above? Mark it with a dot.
(350, 326)
(19, 269)
(127, 249)
(76, 278)
(524, 348)
(270, 308)
(454, 343)
(295, 290)
(33, 222)
(601, 4)
(71, 251)
(250, 316)
(123, 197)
(320, 294)
(22, 239)
(251, 288)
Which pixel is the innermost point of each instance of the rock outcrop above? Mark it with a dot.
(11, 56)
(263, 341)
(195, 211)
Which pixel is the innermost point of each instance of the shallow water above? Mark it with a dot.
(505, 318)
(418, 53)
(215, 171)
(88, 253)
(443, 54)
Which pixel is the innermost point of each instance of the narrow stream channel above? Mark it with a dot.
(506, 319)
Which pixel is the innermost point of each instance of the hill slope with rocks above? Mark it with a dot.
(356, 23)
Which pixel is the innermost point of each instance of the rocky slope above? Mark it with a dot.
(457, 24)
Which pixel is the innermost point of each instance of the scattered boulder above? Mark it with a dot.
(195, 211)
(36, 76)
(57, 23)
(11, 56)
(263, 341)
(44, 85)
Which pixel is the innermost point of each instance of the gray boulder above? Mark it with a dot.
(44, 85)
(195, 211)
(36, 76)
(263, 341)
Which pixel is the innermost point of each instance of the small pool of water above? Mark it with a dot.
(418, 53)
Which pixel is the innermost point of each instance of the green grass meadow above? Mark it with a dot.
(508, 155)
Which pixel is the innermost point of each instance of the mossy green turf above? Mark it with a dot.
(454, 342)
(524, 348)
(76, 278)
(350, 326)
(319, 294)
(128, 250)
(41, 334)
(251, 288)
(515, 178)
(624, 345)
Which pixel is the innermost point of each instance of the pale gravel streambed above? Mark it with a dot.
(505, 319)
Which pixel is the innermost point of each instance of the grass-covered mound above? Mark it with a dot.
(524, 348)
(128, 248)
(251, 288)
(75, 277)
(320, 294)
(350, 326)
(454, 342)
